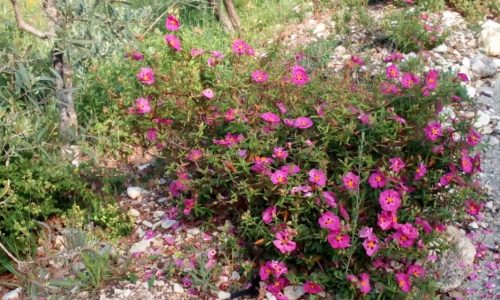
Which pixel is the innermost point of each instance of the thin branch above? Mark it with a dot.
(21, 24)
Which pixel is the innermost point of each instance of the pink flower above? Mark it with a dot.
(364, 283)
(377, 180)
(431, 79)
(188, 206)
(208, 93)
(279, 268)
(265, 271)
(277, 285)
(215, 58)
(299, 75)
(364, 118)
(405, 235)
(329, 220)
(260, 76)
(281, 107)
(343, 212)
(269, 214)
(279, 177)
(311, 287)
(137, 56)
(270, 118)
(173, 42)
(261, 165)
(387, 88)
(230, 114)
(329, 198)
(387, 220)
(371, 245)
(416, 270)
(211, 253)
(473, 208)
(409, 80)
(284, 242)
(466, 162)
(146, 76)
(426, 227)
(302, 123)
(420, 171)
(393, 57)
(403, 282)
(338, 240)
(356, 60)
(463, 77)
(172, 23)
(446, 179)
(176, 187)
(195, 52)
(351, 181)
(142, 106)
(230, 140)
(433, 131)
(391, 71)
(240, 47)
(473, 138)
(152, 134)
(396, 164)
(195, 155)
(317, 177)
(289, 122)
(389, 200)
(290, 169)
(280, 153)
(365, 232)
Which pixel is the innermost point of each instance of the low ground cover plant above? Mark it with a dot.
(412, 29)
(346, 181)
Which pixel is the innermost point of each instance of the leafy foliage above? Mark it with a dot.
(278, 149)
(412, 30)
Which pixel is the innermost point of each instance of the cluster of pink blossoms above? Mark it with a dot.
(173, 24)
(240, 47)
(406, 80)
(272, 272)
(390, 179)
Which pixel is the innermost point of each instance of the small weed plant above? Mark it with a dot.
(412, 30)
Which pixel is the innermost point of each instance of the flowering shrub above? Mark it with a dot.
(345, 181)
(412, 30)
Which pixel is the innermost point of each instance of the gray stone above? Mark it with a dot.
(166, 224)
(235, 276)
(483, 66)
(489, 38)
(493, 141)
(135, 192)
(223, 295)
(473, 225)
(134, 213)
(471, 91)
(441, 48)
(13, 295)
(483, 119)
(193, 231)
(139, 247)
(178, 288)
(158, 214)
(455, 264)
(147, 224)
(293, 292)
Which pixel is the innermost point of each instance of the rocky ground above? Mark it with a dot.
(159, 241)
